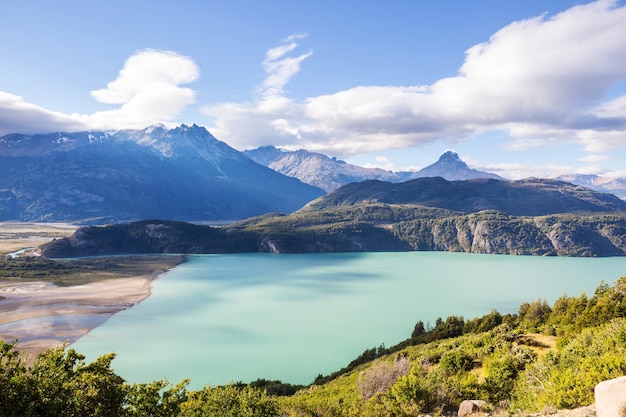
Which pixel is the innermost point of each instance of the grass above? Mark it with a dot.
(83, 271)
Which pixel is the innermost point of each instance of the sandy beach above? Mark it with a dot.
(42, 315)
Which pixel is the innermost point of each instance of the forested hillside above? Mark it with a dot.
(529, 217)
(361, 228)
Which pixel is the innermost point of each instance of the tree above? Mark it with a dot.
(229, 401)
(59, 384)
(419, 329)
(155, 399)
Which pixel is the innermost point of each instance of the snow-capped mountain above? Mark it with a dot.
(182, 173)
(451, 167)
(615, 186)
(330, 173)
(318, 169)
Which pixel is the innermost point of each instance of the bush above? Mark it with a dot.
(229, 401)
(381, 376)
(567, 377)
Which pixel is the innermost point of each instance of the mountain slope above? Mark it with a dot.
(615, 186)
(182, 173)
(529, 197)
(330, 173)
(317, 169)
(451, 167)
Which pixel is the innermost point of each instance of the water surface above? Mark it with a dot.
(223, 318)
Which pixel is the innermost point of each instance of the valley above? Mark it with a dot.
(129, 223)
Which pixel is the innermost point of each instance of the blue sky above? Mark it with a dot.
(520, 88)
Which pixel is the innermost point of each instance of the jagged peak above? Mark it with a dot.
(451, 157)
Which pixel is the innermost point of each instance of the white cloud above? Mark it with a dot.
(147, 71)
(279, 68)
(272, 118)
(591, 170)
(595, 158)
(18, 116)
(517, 171)
(542, 79)
(382, 162)
(147, 90)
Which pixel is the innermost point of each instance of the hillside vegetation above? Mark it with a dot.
(361, 228)
(543, 358)
(528, 217)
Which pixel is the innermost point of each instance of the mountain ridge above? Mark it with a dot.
(183, 173)
(381, 216)
(331, 173)
(616, 186)
(318, 169)
(527, 197)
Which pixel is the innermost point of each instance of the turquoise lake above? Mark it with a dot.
(222, 318)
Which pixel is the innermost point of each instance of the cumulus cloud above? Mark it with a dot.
(147, 90)
(147, 71)
(542, 79)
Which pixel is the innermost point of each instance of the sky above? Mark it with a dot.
(521, 88)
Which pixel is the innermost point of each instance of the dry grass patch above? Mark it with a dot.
(539, 343)
(17, 236)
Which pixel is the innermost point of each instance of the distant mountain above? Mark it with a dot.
(96, 177)
(451, 167)
(528, 197)
(529, 217)
(615, 186)
(317, 169)
(331, 173)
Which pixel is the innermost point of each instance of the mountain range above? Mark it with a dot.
(100, 177)
(331, 173)
(615, 186)
(187, 174)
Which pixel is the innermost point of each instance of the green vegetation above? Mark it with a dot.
(82, 271)
(542, 358)
(61, 384)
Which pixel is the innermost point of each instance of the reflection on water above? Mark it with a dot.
(223, 318)
(63, 328)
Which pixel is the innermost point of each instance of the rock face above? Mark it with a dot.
(610, 398)
(100, 177)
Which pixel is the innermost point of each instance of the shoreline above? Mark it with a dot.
(42, 315)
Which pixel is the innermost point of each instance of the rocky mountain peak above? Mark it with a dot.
(451, 167)
(451, 157)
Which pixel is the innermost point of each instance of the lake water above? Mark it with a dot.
(223, 318)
